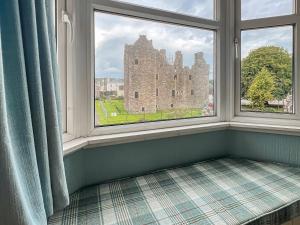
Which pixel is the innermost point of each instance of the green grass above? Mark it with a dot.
(105, 117)
(266, 109)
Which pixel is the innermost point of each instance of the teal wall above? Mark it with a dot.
(92, 166)
(264, 146)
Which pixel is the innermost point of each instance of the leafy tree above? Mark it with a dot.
(277, 61)
(261, 89)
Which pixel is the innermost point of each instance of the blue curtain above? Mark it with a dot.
(32, 178)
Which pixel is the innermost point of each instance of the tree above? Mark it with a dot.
(261, 89)
(277, 61)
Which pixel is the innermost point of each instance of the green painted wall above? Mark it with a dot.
(264, 146)
(92, 166)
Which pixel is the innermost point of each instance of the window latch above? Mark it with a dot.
(236, 46)
(66, 19)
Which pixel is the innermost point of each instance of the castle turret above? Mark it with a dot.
(178, 60)
(199, 58)
(200, 77)
(140, 63)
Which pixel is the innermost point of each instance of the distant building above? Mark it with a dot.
(151, 83)
(113, 87)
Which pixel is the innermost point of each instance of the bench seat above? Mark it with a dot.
(221, 191)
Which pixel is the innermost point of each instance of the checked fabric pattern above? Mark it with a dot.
(223, 191)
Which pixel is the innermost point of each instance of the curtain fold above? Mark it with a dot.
(32, 177)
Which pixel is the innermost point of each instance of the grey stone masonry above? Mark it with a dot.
(151, 83)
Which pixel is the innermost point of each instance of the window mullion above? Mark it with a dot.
(297, 62)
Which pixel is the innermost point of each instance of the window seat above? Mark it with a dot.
(221, 191)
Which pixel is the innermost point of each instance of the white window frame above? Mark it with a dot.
(61, 47)
(263, 117)
(80, 64)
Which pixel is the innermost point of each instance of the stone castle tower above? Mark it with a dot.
(151, 83)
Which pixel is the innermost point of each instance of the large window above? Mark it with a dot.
(149, 71)
(266, 68)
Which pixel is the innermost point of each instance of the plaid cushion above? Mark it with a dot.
(223, 191)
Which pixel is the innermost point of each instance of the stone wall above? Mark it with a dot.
(151, 83)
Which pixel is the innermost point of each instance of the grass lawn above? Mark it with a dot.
(266, 109)
(110, 112)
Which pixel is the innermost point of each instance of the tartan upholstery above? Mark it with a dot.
(222, 191)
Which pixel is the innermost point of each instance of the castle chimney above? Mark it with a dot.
(178, 60)
(162, 54)
(199, 58)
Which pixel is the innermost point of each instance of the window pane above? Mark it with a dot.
(198, 8)
(255, 9)
(266, 70)
(135, 65)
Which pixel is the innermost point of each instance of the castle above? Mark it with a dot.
(151, 83)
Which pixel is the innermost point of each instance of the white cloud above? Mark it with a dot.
(199, 8)
(279, 36)
(253, 9)
(113, 32)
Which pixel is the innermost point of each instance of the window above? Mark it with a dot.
(173, 93)
(124, 55)
(120, 59)
(136, 94)
(266, 68)
(163, 48)
(61, 49)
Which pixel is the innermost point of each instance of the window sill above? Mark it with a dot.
(265, 128)
(113, 139)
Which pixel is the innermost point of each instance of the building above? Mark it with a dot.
(152, 83)
(112, 87)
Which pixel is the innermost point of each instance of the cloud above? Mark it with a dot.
(113, 32)
(277, 36)
(199, 8)
(266, 8)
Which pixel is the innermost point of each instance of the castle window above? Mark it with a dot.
(190, 77)
(156, 76)
(172, 105)
(143, 109)
(156, 91)
(173, 93)
(192, 92)
(136, 94)
(136, 61)
(175, 77)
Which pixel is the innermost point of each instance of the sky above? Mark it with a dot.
(112, 32)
